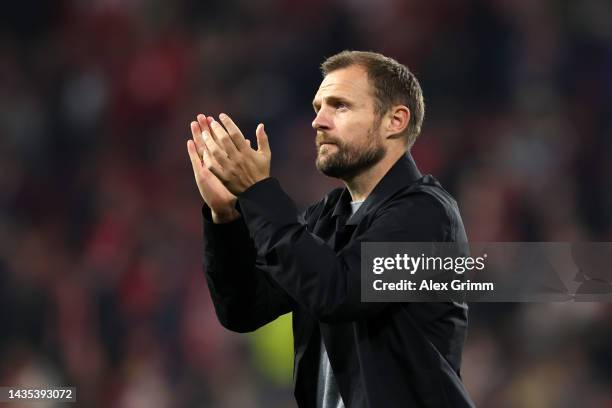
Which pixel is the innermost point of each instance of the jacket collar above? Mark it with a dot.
(402, 174)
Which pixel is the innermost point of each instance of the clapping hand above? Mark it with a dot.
(224, 163)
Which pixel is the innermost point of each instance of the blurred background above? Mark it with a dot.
(101, 285)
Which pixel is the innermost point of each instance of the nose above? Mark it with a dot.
(321, 121)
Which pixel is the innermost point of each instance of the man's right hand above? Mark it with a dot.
(221, 202)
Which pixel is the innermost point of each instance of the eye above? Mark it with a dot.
(341, 106)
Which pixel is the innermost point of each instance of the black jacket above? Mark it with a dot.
(272, 261)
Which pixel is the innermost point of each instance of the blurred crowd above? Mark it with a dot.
(101, 283)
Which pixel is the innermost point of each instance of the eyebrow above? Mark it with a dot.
(331, 100)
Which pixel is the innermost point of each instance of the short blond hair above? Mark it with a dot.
(393, 84)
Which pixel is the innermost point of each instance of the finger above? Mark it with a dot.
(196, 132)
(193, 155)
(207, 160)
(234, 131)
(224, 140)
(210, 166)
(196, 164)
(210, 163)
(203, 122)
(214, 151)
(262, 140)
(209, 121)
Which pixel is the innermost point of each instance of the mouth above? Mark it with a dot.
(325, 146)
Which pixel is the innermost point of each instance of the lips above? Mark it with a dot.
(326, 147)
(322, 139)
(321, 142)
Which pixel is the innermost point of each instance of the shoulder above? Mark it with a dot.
(426, 204)
(427, 193)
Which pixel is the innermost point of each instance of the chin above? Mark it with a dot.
(330, 169)
(322, 160)
(321, 163)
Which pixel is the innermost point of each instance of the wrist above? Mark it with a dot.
(224, 216)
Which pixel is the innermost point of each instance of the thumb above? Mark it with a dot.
(262, 140)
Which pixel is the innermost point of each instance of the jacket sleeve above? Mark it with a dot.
(326, 283)
(245, 298)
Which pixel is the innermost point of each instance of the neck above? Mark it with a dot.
(362, 184)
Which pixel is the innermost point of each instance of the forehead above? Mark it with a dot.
(348, 82)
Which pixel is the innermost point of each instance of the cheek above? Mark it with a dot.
(359, 134)
(354, 129)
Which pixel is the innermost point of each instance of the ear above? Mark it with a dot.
(397, 121)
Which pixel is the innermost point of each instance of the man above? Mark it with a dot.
(262, 260)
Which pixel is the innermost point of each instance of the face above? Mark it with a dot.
(348, 138)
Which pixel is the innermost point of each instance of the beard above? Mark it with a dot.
(348, 160)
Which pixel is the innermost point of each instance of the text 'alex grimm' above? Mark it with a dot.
(430, 285)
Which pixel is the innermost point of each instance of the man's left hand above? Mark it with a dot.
(231, 157)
